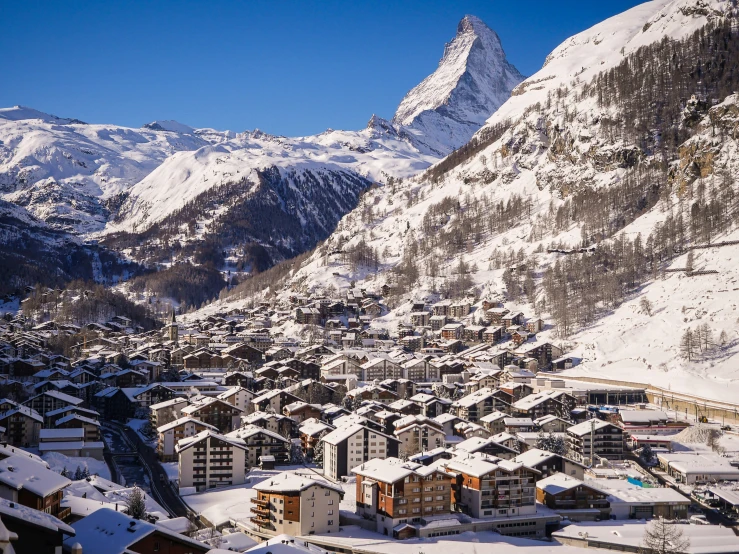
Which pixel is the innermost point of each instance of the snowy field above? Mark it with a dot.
(58, 462)
(221, 505)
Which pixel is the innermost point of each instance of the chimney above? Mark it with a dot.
(76, 548)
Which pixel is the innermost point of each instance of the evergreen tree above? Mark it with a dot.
(318, 450)
(136, 503)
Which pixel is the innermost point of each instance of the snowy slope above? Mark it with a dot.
(542, 156)
(64, 170)
(184, 176)
(473, 80)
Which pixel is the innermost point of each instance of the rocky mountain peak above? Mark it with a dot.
(472, 80)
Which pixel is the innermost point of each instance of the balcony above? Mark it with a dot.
(64, 513)
(260, 502)
(261, 512)
(260, 521)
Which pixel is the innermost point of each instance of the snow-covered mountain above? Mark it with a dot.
(612, 145)
(196, 190)
(64, 171)
(473, 79)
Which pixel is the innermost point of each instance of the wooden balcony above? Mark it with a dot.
(260, 521)
(260, 502)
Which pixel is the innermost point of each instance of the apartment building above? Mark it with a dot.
(486, 486)
(296, 505)
(350, 445)
(209, 459)
(22, 426)
(595, 438)
(167, 411)
(237, 396)
(478, 404)
(393, 492)
(418, 433)
(171, 433)
(573, 498)
(216, 412)
(260, 442)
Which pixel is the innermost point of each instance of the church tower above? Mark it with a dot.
(173, 329)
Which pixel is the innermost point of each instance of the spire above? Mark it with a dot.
(172, 321)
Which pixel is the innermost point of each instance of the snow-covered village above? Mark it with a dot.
(501, 320)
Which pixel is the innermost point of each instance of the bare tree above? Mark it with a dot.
(646, 305)
(664, 537)
(687, 345)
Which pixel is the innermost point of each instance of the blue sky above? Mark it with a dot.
(286, 67)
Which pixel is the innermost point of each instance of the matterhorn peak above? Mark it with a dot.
(472, 81)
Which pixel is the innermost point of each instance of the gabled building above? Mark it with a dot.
(209, 460)
(593, 439)
(297, 505)
(260, 443)
(394, 493)
(172, 432)
(350, 445)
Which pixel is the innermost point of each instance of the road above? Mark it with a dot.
(161, 490)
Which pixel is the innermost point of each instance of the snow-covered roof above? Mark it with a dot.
(289, 482)
(559, 482)
(585, 427)
(17, 473)
(388, 470)
(109, 532)
(187, 442)
(36, 517)
(61, 434)
(342, 433)
(182, 421)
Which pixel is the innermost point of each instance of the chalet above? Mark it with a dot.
(300, 411)
(308, 316)
(34, 530)
(310, 432)
(276, 400)
(167, 411)
(493, 487)
(495, 316)
(51, 400)
(573, 498)
(32, 484)
(549, 463)
(512, 319)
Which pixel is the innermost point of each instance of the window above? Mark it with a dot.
(327, 493)
(156, 547)
(330, 521)
(330, 512)
(331, 502)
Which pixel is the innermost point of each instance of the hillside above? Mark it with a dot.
(622, 144)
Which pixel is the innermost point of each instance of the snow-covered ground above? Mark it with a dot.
(171, 469)
(58, 462)
(221, 505)
(137, 425)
